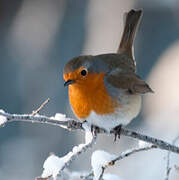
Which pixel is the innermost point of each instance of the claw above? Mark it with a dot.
(94, 130)
(117, 132)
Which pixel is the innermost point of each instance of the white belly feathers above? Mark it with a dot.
(122, 116)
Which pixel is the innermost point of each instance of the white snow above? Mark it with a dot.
(52, 166)
(3, 119)
(99, 160)
(60, 117)
(88, 133)
(143, 144)
(109, 176)
(76, 148)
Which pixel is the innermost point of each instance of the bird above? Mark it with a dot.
(104, 89)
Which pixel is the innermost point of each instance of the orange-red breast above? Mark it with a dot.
(104, 89)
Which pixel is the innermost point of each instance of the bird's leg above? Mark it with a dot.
(94, 130)
(117, 132)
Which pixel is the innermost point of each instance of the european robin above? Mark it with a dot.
(104, 89)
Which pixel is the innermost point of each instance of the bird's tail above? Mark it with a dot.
(131, 21)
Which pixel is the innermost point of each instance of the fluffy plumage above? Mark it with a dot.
(109, 92)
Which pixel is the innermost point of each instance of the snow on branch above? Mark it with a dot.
(54, 165)
(71, 124)
(100, 159)
(3, 119)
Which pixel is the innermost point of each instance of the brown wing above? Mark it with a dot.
(128, 81)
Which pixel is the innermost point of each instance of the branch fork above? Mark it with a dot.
(62, 121)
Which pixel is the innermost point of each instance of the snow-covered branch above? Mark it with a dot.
(101, 160)
(54, 165)
(70, 124)
(58, 120)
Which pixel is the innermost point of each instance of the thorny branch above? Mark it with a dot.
(71, 124)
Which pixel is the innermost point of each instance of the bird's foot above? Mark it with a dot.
(117, 132)
(94, 130)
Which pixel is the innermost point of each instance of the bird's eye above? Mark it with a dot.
(84, 72)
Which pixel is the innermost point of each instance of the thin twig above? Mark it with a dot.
(41, 106)
(87, 176)
(102, 172)
(168, 168)
(159, 143)
(132, 151)
(75, 154)
(77, 150)
(40, 178)
(126, 154)
(71, 124)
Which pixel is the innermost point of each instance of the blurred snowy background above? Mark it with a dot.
(37, 37)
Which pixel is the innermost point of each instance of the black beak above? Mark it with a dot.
(67, 83)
